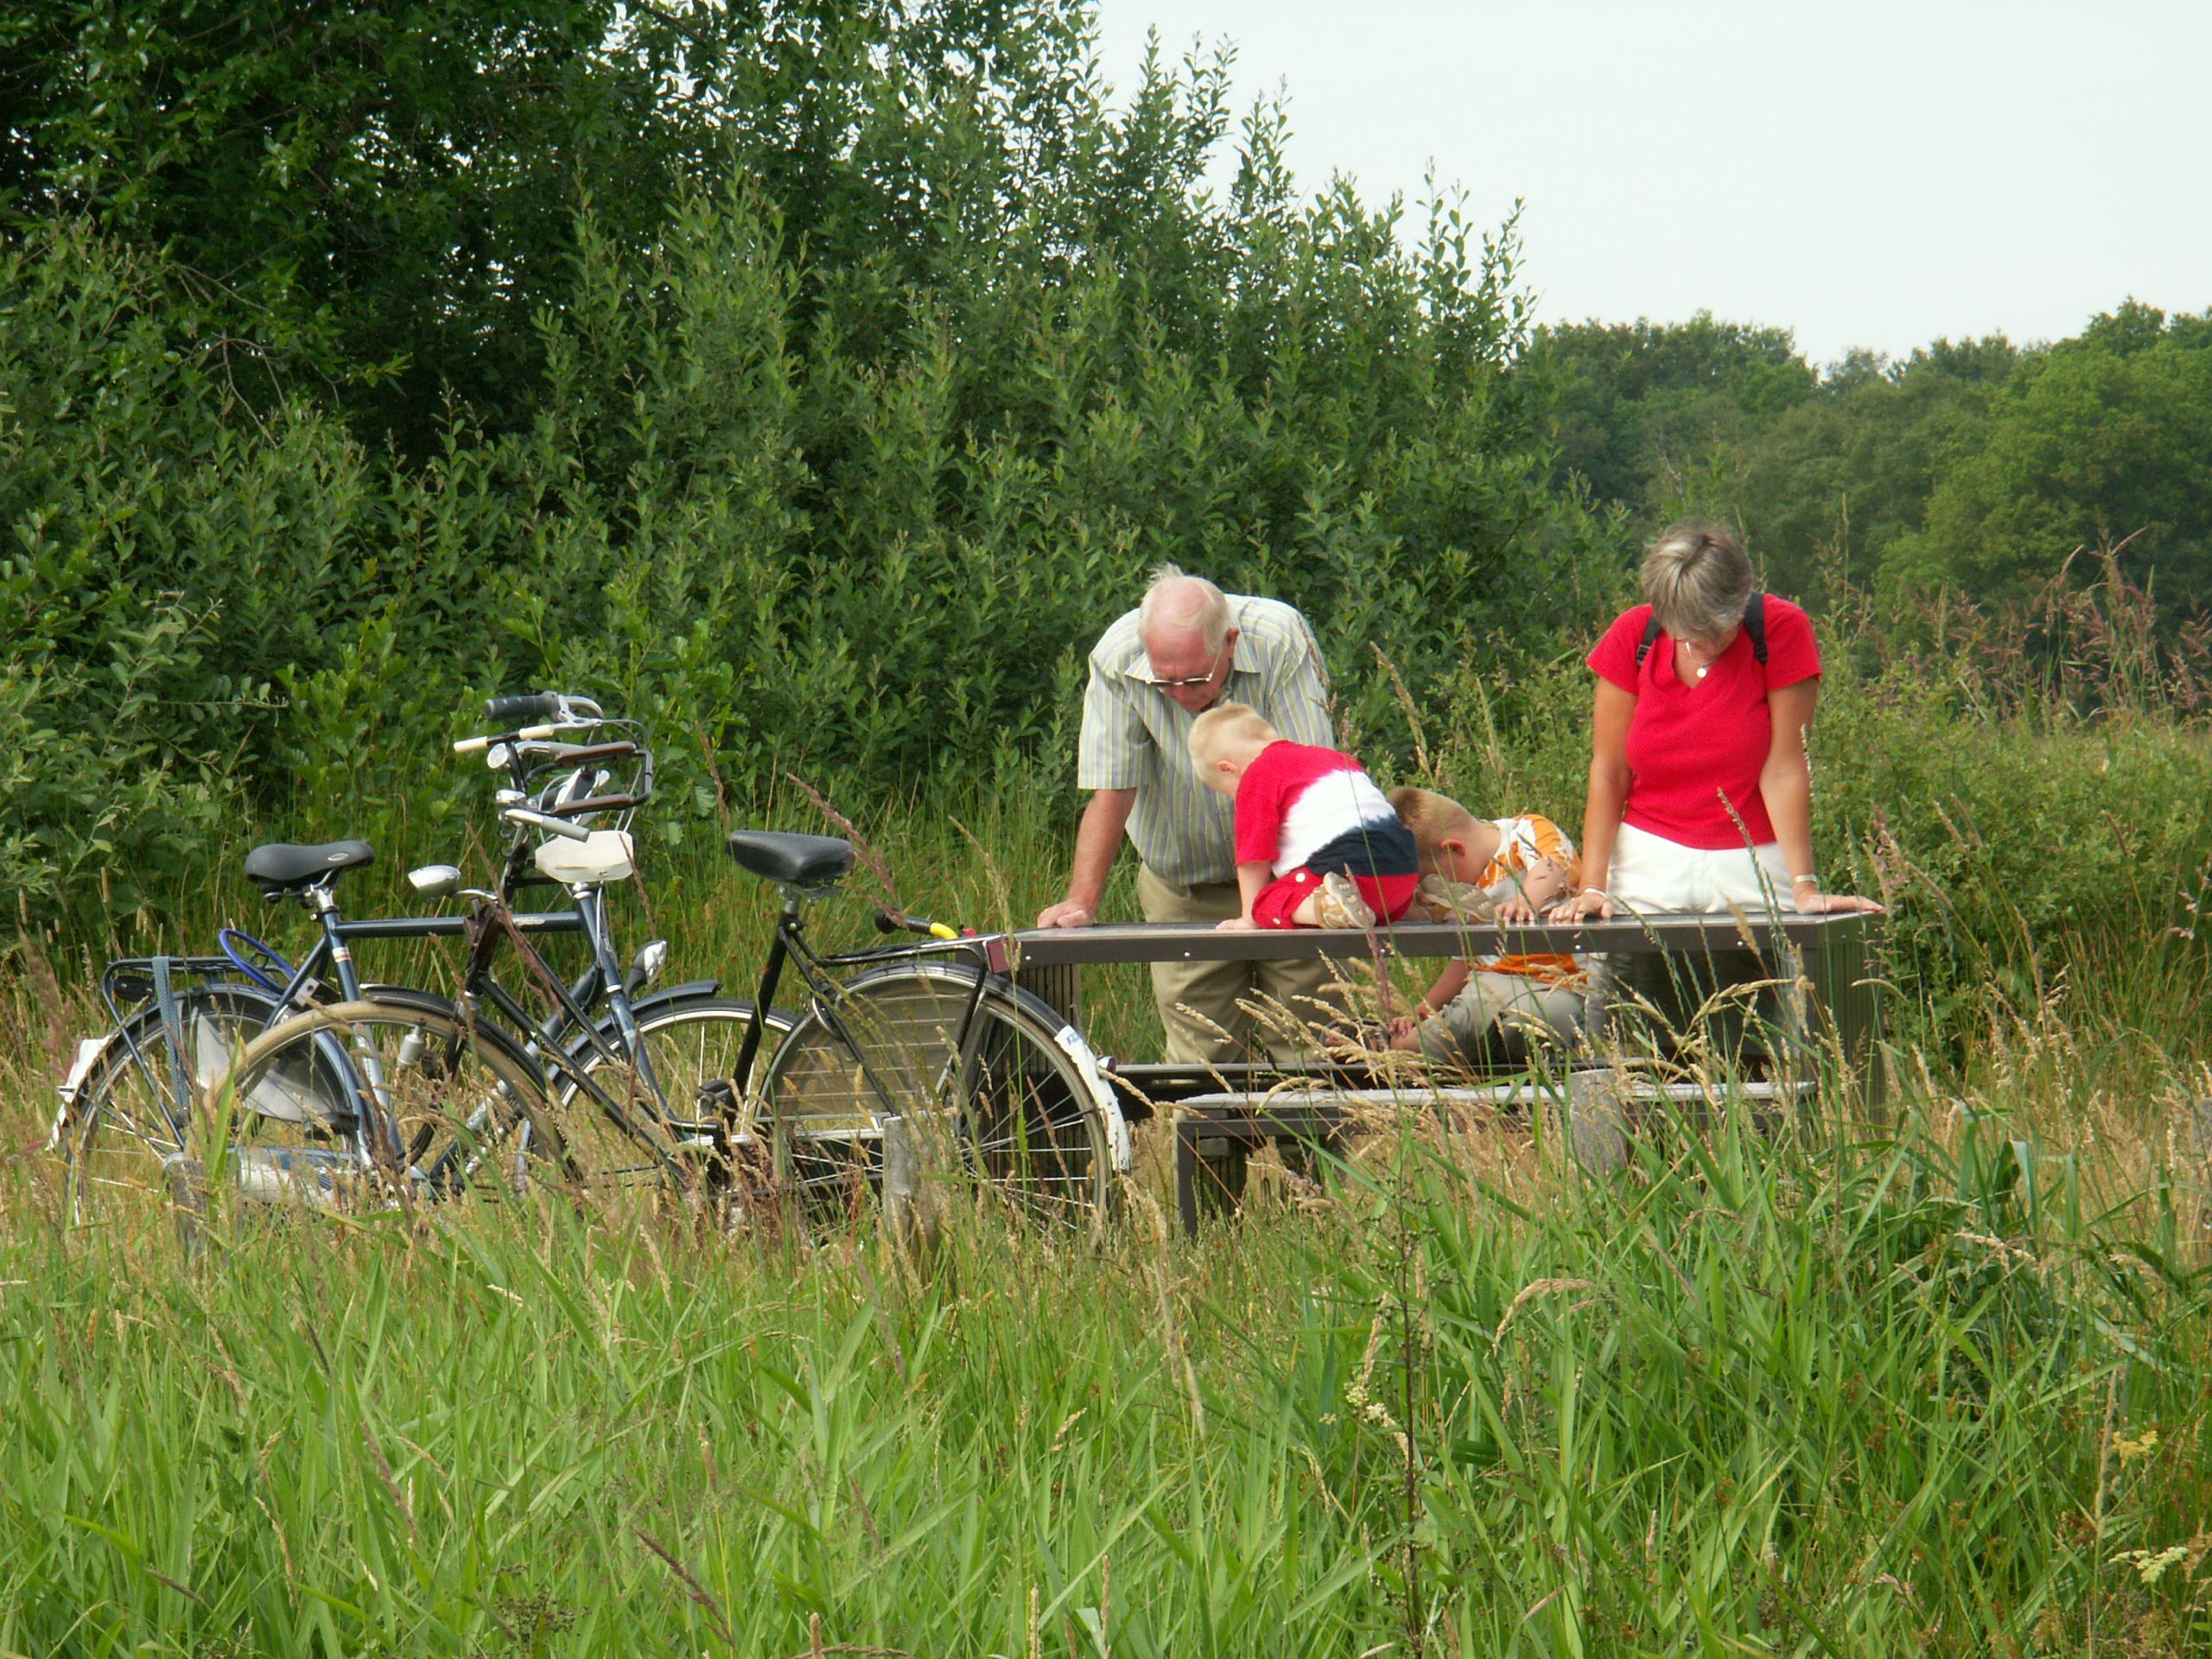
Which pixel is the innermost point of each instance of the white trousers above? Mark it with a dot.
(1651, 873)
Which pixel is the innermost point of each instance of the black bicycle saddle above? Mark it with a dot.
(793, 860)
(280, 866)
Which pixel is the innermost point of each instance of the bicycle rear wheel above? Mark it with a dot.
(1015, 1089)
(125, 1135)
(445, 1107)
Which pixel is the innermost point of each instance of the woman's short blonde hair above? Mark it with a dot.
(1228, 726)
(1698, 579)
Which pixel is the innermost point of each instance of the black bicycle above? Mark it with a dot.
(375, 1094)
(789, 1108)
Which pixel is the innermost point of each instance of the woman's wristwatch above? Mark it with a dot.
(1810, 879)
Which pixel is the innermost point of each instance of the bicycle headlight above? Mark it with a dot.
(645, 966)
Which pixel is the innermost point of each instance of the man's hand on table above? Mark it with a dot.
(1069, 913)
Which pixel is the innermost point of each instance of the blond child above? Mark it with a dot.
(1512, 868)
(1317, 844)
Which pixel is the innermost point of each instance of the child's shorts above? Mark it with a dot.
(1389, 896)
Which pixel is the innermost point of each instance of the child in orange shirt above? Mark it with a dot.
(1516, 867)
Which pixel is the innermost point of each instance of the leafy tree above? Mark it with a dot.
(379, 195)
(1843, 474)
(2099, 439)
(1643, 406)
(843, 482)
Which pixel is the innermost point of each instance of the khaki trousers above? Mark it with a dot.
(1205, 1006)
(1503, 1016)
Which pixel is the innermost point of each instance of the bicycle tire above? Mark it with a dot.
(448, 1107)
(123, 1158)
(691, 1046)
(1032, 1122)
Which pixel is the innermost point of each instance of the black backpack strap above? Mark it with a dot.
(1754, 625)
(1652, 637)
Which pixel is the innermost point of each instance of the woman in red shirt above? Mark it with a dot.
(1701, 791)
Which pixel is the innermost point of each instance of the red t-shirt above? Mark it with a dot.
(1688, 745)
(1299, 807)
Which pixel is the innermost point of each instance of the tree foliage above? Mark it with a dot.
(1642, 406)
(2104, 439)
(1973, 464)
(829, 446)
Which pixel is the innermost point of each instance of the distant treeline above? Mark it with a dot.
(1978, 465)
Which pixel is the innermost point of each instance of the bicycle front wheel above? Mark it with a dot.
(125, 1133)
(995, 1074)
(445, 1107)
(690, 1048)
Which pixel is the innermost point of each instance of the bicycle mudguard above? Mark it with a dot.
(683, 992)
(90, 1052)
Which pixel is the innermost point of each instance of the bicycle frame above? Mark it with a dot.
(488, 924)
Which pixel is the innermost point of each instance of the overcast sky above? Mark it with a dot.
(1869, 174)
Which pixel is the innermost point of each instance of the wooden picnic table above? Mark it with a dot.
(1221, 1113)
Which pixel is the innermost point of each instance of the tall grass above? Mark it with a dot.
(1933, 1388)
(1930, 1385)
(1937, 1392)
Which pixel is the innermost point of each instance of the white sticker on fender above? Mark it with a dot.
(1122, 1148)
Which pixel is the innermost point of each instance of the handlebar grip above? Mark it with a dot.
(541, 705)
(594, 803)
(471, 745)
(892, 921)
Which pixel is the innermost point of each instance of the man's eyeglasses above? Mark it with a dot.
(1189, 681)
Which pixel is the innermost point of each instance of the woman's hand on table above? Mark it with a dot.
(1590, 903)
(1236, 925)
(1811, 901)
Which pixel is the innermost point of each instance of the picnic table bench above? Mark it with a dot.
(1223, 1113)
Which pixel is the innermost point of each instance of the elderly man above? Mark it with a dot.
(1187, 647)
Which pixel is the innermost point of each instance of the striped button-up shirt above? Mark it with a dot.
(1135, 737)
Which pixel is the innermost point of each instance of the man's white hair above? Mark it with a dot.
(1177, 599)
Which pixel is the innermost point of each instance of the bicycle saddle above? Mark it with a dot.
(281, 867)
(793, 860)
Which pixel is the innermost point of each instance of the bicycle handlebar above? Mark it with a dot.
(563, 711)
(572, 754)
(546, 821)
(478, 744)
